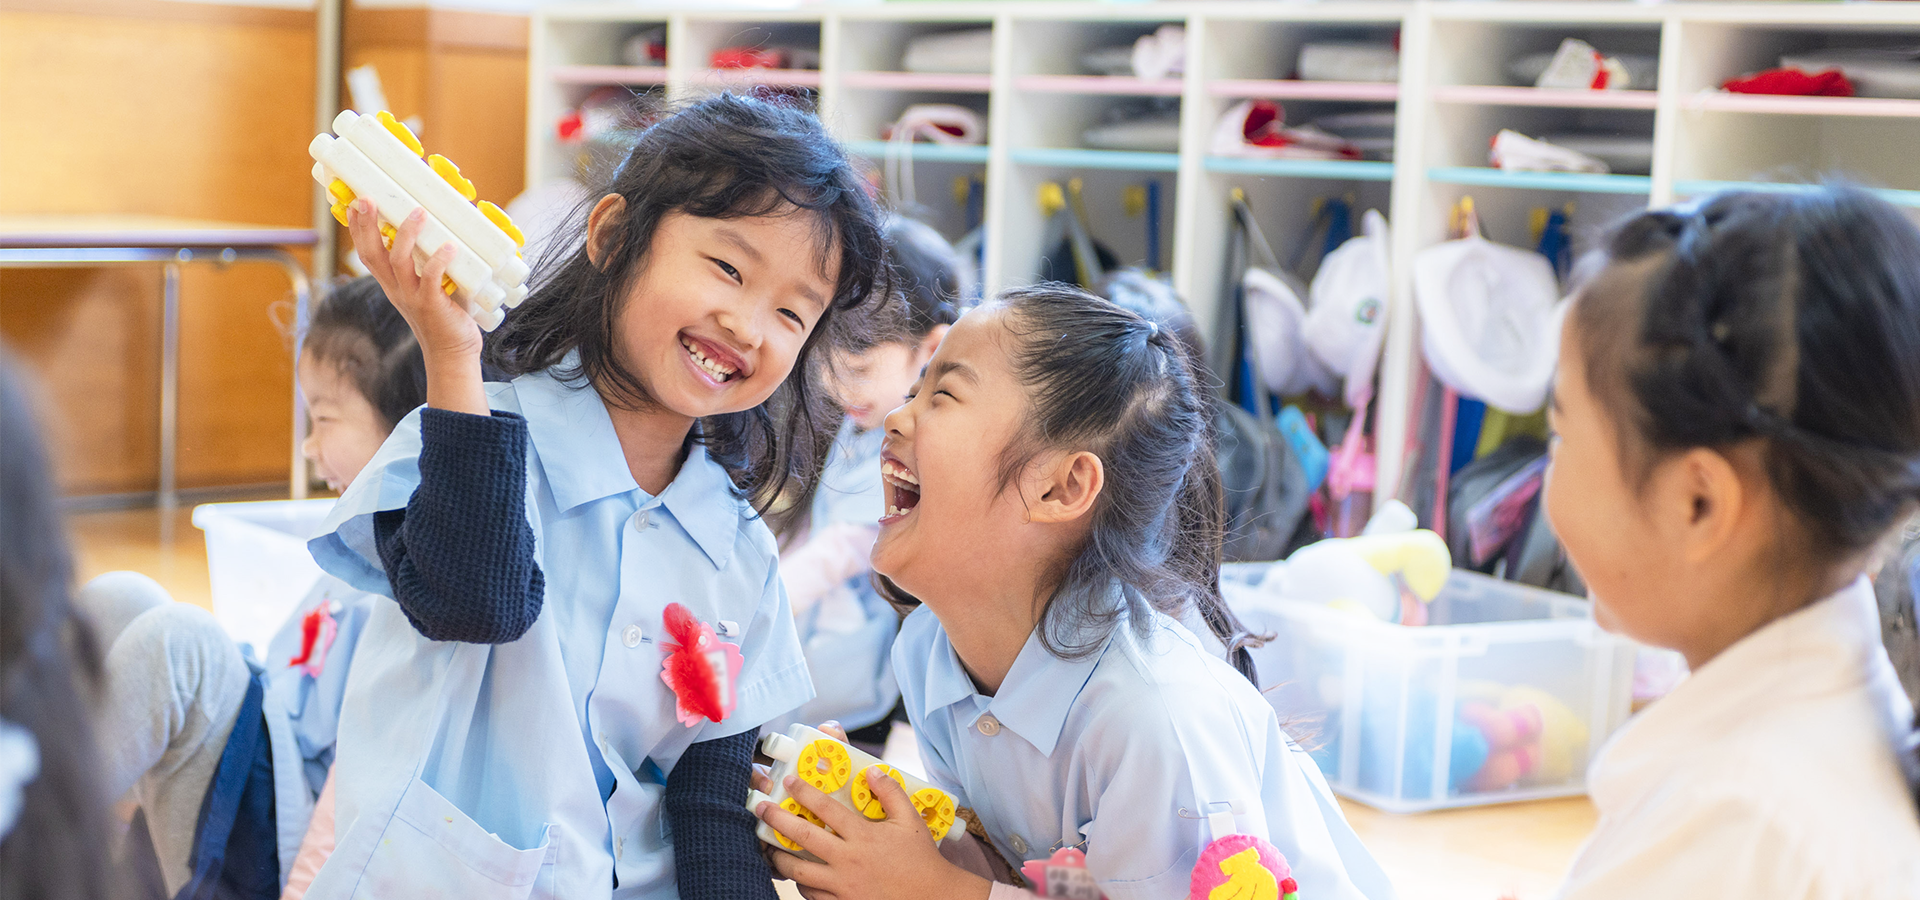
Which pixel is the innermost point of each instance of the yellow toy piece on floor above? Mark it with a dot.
(378, 158)
(839, 770)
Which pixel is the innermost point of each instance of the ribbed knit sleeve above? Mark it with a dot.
(460, 557)
(716, 855)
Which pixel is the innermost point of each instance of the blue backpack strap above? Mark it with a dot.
(235, 854)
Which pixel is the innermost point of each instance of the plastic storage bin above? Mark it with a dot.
(1504, 696)
(257, 557)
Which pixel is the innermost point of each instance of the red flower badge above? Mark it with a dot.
(700, 668)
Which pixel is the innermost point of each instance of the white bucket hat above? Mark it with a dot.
(1490, 318)
(1276, 324)
(1346, 321)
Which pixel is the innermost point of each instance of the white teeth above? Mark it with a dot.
(718, 371)
(898, 472)
(895, 511)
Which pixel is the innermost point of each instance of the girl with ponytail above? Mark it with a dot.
(1738, 425)
(1054, 512)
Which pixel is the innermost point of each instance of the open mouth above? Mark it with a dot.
(902, 489)
(720, 372)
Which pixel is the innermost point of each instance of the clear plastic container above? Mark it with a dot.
(1506, 695)
(257, 557)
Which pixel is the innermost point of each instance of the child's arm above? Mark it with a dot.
(716, 855)
(460, 557)
(828, 558)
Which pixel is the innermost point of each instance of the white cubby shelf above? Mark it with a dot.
(1453, 93)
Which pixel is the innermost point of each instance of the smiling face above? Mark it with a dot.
(717, 314)
(946, 510)
(345, 429)
(871, 383)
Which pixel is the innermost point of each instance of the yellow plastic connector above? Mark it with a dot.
(793, 806)
(342, 195)
(445, 168)
(936, 808)
(825, 765)
(401, 131)
(386, 234)
(863, 798)
(499, 217)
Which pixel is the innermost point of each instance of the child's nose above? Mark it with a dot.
(742, 327)
(310, 448)
(899, 422)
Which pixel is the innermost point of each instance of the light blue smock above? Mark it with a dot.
(480, 771)
(850, 491)
(848, 635)
(1123, 754)
(312, 702)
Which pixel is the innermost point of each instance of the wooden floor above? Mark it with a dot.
(1516, 850)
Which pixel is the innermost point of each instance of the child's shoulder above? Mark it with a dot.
(1165, 678)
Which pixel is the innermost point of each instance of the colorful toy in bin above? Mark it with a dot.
(839, 770)
(378, 158)
(1502, 738)
(1357, 574)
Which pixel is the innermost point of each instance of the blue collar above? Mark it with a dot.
(580, 454)
(1035, 697)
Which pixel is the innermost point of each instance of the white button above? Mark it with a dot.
(640, 520)
(631, 636)
(989, 726)
(728, 629)
(1019, 844)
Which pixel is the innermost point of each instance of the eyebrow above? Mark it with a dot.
(957, 368)
(739, 240)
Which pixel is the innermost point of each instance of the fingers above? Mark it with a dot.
(838, 817)
(833, 730)
(811, 838)
(761, 780)
(400, 257)
(894, 800)
(808, 874)
(364, 227)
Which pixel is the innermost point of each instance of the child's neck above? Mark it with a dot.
(1763, 596)
(654, 442)
(988, 620)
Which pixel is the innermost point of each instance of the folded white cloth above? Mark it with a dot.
(1515, 152)
(967, 52)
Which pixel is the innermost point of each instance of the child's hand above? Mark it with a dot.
(892, 859)
(449, 338)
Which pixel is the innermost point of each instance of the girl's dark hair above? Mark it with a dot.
(1791, 319)
(725, 157)
(1103, 379)
(356, 329)
(49, 670)
(926, 272)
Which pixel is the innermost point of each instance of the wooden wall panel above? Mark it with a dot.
(204, 110)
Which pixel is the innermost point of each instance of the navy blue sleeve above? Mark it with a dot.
(460, 556)
(716, 855)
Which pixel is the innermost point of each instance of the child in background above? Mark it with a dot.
(1055, 508)
(176, 684)
(845, 625)
(1737, 414)
(512, 727)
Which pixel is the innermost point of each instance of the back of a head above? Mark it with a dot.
(1100, 378)
(1157, 302)
(926, 272)
(1793, 319)
(55, 845)
(355, 328)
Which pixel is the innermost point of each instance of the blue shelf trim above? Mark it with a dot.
(1335, 169)
(1125, 160)
(1542, 181)
(923, 152)
(1693, 187)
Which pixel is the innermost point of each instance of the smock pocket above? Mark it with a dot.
(430, 844)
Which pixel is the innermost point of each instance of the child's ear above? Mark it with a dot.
(928, 344)
(602, 224)
(1067, 488)
(1706, 502)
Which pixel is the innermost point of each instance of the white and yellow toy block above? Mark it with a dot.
(378, 158)
(839, 770)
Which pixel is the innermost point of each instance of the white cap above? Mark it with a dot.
(1490, 319)
(1276, 323)
(1346, 322)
